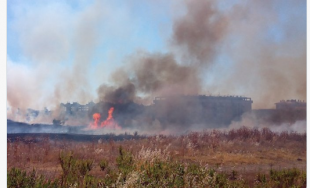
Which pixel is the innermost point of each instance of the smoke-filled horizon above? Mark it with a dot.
(119, 52)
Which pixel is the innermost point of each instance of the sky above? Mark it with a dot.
(64, 50)
(45, 31)
(44, 35)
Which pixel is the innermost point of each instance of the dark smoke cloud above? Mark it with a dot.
(157, 72)
(257, 64)
(196, 35)
(150, 75)
(121, 94)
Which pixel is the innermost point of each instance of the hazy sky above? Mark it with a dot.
(63, 50)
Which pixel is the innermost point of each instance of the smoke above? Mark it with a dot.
(244, 48)
(74, 83)
(199, 33)
(253, 48)
(250, 120)
(58, 46)
(122, 94)
(265, 51)
(150, 74)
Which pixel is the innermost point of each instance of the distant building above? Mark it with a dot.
(202, 108)
(75, 107)
(291, 105)
(288, 111)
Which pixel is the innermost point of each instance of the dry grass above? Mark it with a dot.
(243, 149)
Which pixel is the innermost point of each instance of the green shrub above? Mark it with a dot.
(89, 182)
(261, 178)
(69, 169)
(221, 180)
(110, 178)
(18, 178)
(285, 177)
(124, 162)
(84, 166)
(75, 172)
(103, 164)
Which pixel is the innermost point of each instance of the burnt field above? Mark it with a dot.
(243, 157)
(39, 137)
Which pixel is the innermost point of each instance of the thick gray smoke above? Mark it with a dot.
(150, 75)
(196, 35)
(244, 49)
(199, 33)
(123, 94)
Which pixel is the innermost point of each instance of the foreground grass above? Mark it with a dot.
(152, 170)
(237, 158)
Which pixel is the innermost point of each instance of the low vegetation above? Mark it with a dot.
(237, 158)
(155, 172)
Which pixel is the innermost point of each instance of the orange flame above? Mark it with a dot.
(96, 117)
(109, 122)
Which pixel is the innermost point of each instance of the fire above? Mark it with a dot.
(96, 117)
(108, 123)
(109, 119)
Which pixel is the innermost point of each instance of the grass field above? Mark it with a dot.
(236, 158)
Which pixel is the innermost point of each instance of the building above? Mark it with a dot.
(75, 107)
(201, 108)
(291, 105)
(286, 111)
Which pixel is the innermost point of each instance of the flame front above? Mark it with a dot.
(108, 123)
(96, 117)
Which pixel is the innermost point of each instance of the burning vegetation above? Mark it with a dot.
(109, 123)
(96, 117)
(177, 114)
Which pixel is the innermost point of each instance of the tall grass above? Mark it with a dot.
(239, 157)
(131, 172)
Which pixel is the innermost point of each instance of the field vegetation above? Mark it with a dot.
(236, 158)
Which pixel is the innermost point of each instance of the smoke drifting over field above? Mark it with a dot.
(152, 75)
(253, 48)
(260, 60)
(250, 120)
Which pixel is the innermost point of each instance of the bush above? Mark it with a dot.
(75, 172)
(84, 166)
(103, 164)
(69, 168)
(124, 162)
(18, 178)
